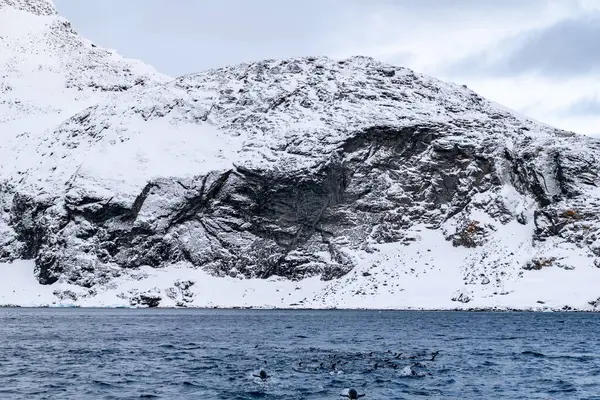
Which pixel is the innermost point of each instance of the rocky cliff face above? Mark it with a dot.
(296, 168)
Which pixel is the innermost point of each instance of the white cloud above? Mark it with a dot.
(544, 99)
(437, 36)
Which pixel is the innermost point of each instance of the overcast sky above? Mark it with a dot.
(540, 57)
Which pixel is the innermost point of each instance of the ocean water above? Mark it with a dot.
(213, 354)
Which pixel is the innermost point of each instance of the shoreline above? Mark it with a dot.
(250, 308)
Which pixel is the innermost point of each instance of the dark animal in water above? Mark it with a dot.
(262, 375)
(353, 394)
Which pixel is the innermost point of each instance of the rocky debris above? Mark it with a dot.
(462, 298)
(538, 263)
(546, 262)
(150, 298)
(554, 222)
(566, 267)
(595, 303)
(181, 292)
(470, 234)
(66, 295)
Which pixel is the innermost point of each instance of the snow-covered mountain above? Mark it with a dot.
(305, 182)
(48, 72)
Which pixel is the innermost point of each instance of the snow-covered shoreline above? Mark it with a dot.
(426, 274)
(20, 288)
(433, 310)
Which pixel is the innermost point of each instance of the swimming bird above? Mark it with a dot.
(262, 375)
(353, 394)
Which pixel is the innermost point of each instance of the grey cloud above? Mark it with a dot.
(568, 48)
(589, 106)
(183, 36)
(462, 6)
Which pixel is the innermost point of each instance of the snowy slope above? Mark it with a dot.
(305, 182)
(288, 114)
(49, 72)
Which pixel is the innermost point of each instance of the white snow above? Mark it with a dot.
(19, 287)
(123, 167)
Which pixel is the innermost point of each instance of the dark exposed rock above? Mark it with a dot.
(181, 293)
(28, 220)
(66, 295)
(149, 299)
(470, 234)
(595, 303)
(539, 263)
(462, 298)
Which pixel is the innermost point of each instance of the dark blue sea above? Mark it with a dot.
(213, 354)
